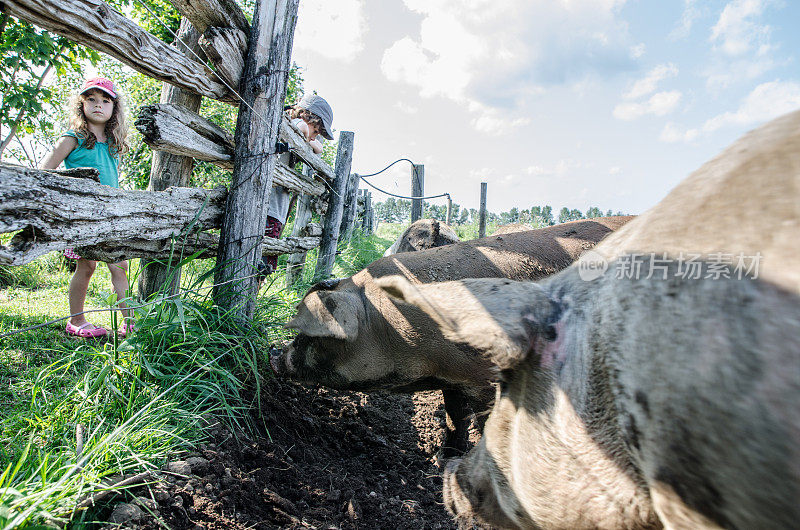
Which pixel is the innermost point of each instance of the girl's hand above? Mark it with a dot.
(61, 151)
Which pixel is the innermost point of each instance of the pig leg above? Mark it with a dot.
(459, 417)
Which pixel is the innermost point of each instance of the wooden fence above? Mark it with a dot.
(52, 210)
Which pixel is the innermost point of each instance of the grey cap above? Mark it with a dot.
(320, 107)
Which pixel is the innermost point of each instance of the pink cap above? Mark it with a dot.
(100, 83)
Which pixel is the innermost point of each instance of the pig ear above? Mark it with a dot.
(502, 319)
(327, 314)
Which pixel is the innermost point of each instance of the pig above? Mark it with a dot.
(651, 399)
(422, 235)
(351, 337)
(511, 228)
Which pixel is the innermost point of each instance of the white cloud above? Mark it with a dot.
(672, 134)
(738, 31)
(638, 50)
(648, 84)
(406, 108)
(690, 14)
(766, 101)
(497, 54)
(725, 74)
(659, 104)
(333, 29)
(563, 167)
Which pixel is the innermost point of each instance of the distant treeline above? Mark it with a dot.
(399, 211)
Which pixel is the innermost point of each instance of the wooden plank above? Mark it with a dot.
(257, 130)
(417, 190)
(350, 208)
(181, 131)
(54, 212)
(177, 130)
(333, 217)
(168, 169)
(203, 242)
(290, 179)
(204, 14)
(225, 47)
(96, 25)
(482, 213)
(51, 212)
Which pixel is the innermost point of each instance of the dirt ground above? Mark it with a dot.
(324, 459)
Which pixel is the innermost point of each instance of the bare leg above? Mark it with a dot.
(119, 280)
(77, 289)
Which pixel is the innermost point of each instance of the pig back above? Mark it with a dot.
(528, 255)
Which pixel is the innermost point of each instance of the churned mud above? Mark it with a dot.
(322, 459)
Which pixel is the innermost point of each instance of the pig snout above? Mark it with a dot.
(279, 360)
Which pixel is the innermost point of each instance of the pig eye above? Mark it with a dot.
(503, 377)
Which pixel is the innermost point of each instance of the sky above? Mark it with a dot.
(575, 103)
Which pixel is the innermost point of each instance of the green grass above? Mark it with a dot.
(138, 401)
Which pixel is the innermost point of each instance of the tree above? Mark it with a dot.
(594, 211)
(569, 215)
(541, 216)
(28, 56)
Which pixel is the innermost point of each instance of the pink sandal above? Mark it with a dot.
(85, 332)
(125, 329)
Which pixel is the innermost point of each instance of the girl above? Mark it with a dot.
(97, 137)
(313, 116)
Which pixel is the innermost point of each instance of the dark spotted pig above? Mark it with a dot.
(654, 399)
(352, 337)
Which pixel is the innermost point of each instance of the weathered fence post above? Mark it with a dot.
(350, 207)
(449, 217)
(170, 170)
(482, 213)
(333, 217)
(369, 214)
(263, 88)
(417, 190)
(295, 263)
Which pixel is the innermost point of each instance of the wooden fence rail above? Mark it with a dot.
(50, 212)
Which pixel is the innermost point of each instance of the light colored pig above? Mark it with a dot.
(352, 337)
(654, 398)
(422, 235)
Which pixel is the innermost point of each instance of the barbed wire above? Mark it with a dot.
(413, 168)
(156, 300)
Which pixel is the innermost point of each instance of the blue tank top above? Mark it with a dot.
(98, 157)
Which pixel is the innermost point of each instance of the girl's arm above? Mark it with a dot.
(316, 146)
(61, 151)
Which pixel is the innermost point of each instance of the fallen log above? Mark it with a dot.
(51, 212)
(96, 25)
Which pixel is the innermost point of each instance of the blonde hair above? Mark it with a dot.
(116, 127)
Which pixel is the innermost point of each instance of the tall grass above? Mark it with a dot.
(139, 401)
